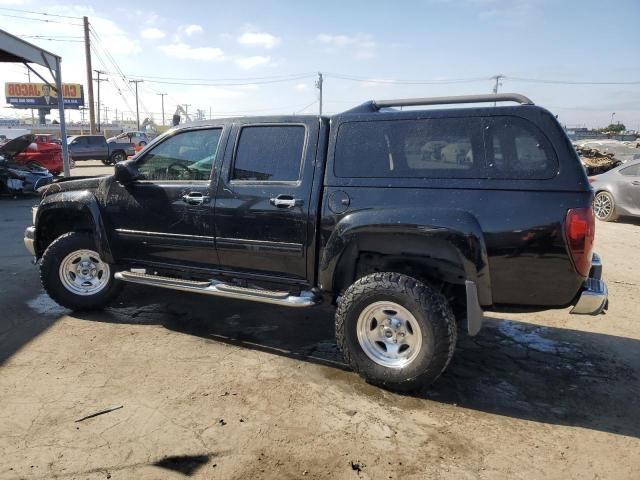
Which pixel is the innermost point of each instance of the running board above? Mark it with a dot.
(220, 289)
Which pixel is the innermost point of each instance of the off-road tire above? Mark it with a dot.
(612, 216)
(50, 278)
(429, 308)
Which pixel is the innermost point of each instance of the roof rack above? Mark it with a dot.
(376, 105)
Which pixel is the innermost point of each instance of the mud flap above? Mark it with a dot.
(474, 312)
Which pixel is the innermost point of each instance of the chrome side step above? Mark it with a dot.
(221, 289)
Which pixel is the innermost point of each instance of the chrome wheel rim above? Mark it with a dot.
(83, 273)
(389, 334)
(602, 205)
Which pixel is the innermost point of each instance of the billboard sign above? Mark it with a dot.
(41, 95)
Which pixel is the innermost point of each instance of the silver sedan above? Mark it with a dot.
(617, 192)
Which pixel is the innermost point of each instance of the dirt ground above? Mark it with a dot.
(212, 388)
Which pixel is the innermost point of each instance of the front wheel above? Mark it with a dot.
(74, 275)
(395, 331)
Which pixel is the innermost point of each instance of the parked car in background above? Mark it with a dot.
(96, 147)
(617, 192)
(138, 139)
(45, 152)
(18, 178)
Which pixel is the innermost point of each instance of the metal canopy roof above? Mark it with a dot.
(16, 50)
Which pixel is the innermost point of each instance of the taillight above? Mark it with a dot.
(580, 231)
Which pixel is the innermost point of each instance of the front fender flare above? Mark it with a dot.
(77, 201)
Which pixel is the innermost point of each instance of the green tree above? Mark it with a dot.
(615, 127)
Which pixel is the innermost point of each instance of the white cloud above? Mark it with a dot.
(247, 63)
(258, 39)
(149, 18)
(191, 29)
(152, 33)
(301, 87)
(185, 51)
(14, 2)
(362, 45)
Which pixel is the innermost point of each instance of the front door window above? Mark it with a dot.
(185, 156)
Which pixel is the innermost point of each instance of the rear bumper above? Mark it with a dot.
(593, 298)
(29, 239)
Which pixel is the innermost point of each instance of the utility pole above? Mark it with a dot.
(210, 113)
(33, 120)
(162, 95)
(613, 114)
(99, 72)
(319, 87)
(137, 109)
(497, 85)
(87, 54)
(82, 109)
(106, 113)
(186, 108)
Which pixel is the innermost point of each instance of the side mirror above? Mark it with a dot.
(126, 172)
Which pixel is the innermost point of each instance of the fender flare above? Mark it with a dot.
(77, 201)
(457, 229)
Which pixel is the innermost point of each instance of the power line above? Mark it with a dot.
(49, 36)
(570, 82)
(53, 39)
(303, 109)
(407, 82)
(120, 74)
(475, 79)
(213, 83)
(39, 13)
(268, 77)
(40, 20)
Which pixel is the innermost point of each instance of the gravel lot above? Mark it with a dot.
(212, 388)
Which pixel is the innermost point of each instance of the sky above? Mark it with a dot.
(580, 59)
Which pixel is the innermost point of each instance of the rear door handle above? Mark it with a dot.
(195, 198)
(286, 201)
(635, 182)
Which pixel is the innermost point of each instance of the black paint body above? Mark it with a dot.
(505, 235)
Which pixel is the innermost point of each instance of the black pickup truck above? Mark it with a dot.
(96, 147)
(410, 222)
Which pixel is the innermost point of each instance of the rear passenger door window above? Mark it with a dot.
(517, 149)
(421, 148)
(269, 153)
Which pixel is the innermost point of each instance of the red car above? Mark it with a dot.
(45, 152)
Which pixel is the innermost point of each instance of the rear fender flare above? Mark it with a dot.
(457, 230)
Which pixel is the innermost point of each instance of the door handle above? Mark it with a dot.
(635, 182)
(195, 198)
(286, 201)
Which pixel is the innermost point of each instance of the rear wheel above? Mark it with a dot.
(604, 207)
(118, 156)
(74, 275)
(395, 331)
